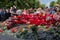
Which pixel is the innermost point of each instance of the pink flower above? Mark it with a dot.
(56, 17)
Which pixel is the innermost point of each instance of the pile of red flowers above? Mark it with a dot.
(36, 19)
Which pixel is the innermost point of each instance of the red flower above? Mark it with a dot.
(50, 16)
(12, 16)
(31, 21)
(9, 24)
(43, 21)
(1, 30)
(47, 26)
(23, 21)
(16, 21)
(13, 30)
(37, 21)
(31, 16)
(15, 17)
(39, 15)
(44, 16)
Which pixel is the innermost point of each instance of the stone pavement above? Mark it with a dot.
(7, 37)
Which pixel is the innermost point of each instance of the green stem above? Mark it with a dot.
(36, 36)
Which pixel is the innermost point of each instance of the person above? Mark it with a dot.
(39, 10)
(8, 14)
(2, 14)
(56, 15)
(18, 12)
(46, 10)
(13, 11)
(24, 11)
(31, 10)
(51, 10)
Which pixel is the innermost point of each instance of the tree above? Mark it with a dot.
(58, 1)
(20, 3)
(42, 6)
(52, 4)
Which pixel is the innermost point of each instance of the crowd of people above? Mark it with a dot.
(6, 13)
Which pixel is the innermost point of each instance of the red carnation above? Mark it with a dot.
(47, 26)
(16, 21)
(43, 21)
(44, 16)
(23, 21)
(1, 30)
(37, 21)
(13, 30)
(31, 21)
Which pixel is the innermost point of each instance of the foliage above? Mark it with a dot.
(52, 3)
(20, 3)
(58, 2)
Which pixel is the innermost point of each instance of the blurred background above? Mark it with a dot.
(28, 4)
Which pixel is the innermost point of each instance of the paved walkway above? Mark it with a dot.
(7, 37)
